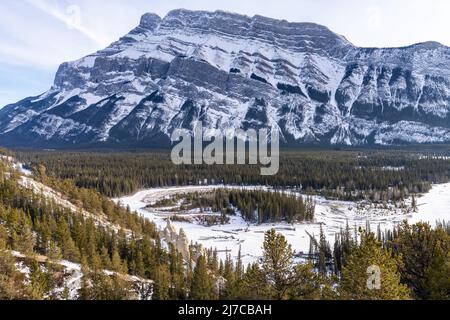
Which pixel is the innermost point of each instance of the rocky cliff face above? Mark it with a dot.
(230, 71)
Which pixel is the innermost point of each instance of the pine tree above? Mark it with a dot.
(105, 258)
(4, 237)
(140, 268)
(437, 275)
(66, 293)
(355, 277)
(53, 251)
(324, 252)
(229, 275)
(310, 285)
(40, 284)
(96, 263)
(12, 282)
(214, 262)
(239, 266)
(414, 204)
(116, 263)
(176, 265)
(424, 252)
(202, 284)
(277, 262)
(25, 241)
(70, 250)
(254, 285)
(86, 283)
(161, 287)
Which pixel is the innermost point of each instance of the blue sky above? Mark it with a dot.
(37, 35)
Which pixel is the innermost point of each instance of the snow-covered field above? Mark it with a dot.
(332, 215)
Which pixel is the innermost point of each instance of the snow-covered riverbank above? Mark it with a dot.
(332, 215)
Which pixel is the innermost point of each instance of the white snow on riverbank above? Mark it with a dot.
(433, 206)
(332, 215)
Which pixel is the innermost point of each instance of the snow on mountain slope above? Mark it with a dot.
(230, 72)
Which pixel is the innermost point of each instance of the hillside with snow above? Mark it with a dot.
(66, 275)
(230, 71)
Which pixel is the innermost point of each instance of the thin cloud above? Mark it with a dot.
(71, 16)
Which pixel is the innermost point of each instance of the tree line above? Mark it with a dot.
(419, 255)
(255, 206)
(373, 175)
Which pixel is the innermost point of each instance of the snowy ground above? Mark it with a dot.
(332, 215)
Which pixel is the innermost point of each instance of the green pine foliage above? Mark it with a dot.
(414, 260)
(345, 175)
(355, 275)
(202, 287)
(277, 263)
(425, 256)
(12, 282)
(33, 224)
(255, 206)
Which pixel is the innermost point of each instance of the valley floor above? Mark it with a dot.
(331, 215)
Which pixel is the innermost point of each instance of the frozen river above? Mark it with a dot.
(332, 215)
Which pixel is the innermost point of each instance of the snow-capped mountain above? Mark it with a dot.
(233, 71)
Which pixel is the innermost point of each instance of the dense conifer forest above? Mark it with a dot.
(345, 175)
(101, 236)
(255, 206)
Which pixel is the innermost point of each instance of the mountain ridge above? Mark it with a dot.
(218, 68)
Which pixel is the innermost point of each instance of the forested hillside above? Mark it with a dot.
(122, 256)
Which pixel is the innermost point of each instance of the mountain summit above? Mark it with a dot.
(231, 71)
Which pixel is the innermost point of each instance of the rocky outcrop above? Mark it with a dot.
(178, 240)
